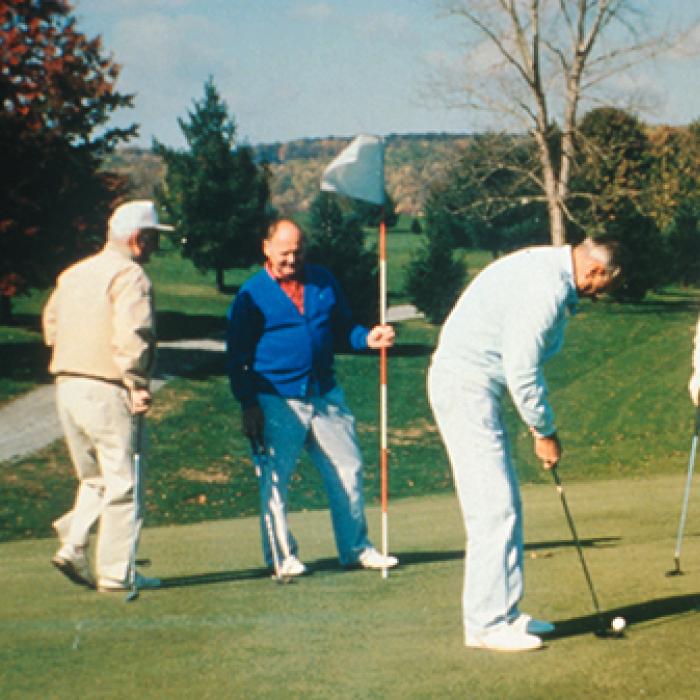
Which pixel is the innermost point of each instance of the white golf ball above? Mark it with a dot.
(619, 624)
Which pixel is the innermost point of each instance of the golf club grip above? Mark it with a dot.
(137, 433)
(257, 447)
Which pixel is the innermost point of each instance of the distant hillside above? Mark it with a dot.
(412, 163)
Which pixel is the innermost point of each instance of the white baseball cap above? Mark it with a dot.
(134, 216)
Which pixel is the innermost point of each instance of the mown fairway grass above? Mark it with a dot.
(222, 629)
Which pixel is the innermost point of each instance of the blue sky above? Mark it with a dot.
(301, 68)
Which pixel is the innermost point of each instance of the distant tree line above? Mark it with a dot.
(636, 182)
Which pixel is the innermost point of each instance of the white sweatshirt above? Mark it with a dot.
(507, 323)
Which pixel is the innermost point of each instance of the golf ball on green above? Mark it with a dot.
(619, 624)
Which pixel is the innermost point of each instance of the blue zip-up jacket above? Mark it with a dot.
(273, 349)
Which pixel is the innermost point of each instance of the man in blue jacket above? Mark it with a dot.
(283, 328)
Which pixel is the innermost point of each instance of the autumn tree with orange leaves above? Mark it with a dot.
(57, 92)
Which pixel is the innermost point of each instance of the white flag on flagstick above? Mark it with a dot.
(358, 171)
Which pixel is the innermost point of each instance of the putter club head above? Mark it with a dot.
(607, 633)
(282, 580)
(676, 571)
(606, 628)
(132, 595)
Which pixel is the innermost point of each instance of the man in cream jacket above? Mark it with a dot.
(99, 322)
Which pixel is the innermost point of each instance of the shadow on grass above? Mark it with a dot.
(190, 363)
(331, 565)
(175, 325)
(214, 577)
(417, 558)
(25, 362)
(656, 609)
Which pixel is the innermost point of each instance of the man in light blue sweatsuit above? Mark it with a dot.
(507, 323)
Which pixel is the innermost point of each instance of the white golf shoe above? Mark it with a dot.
(291, 566)
(504, 638)
(110, 585)
(527, 623)
(72, 562)
(371, 558)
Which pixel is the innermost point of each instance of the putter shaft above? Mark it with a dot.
(137, 446)
(262, 472)
(686, 493)
(579, 548)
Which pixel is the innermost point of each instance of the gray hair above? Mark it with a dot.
(604, 250)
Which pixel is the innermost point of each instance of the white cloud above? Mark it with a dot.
(166, 61)
(311, 11)
(386, 24)
(156, 47)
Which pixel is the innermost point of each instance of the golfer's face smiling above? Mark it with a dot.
(285, 251)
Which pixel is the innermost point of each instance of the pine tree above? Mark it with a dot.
(214, 192)
(434, 279)
(337, 242)
(371, 214)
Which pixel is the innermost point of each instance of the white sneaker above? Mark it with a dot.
(504, 638)
(527, 623)
(291, 566)
(371, 558)
(110, 585)
(72, 562)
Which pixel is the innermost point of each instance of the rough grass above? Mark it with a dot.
(618, 389)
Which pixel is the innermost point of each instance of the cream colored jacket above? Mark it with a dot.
(100, 319)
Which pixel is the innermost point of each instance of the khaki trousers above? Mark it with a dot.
(99, 430)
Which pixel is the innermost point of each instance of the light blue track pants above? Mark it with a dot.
(325, 426)
(469, 418)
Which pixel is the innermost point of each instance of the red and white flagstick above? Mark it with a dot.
(383, 446)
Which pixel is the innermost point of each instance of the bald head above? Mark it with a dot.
(284, 249)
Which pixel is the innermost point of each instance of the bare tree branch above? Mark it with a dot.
(553, 55)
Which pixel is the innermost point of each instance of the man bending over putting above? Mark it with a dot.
(506, 324)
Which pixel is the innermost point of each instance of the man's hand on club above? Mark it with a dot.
(140, 401)
(253, 422)
(547, 449)
(381, 336)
